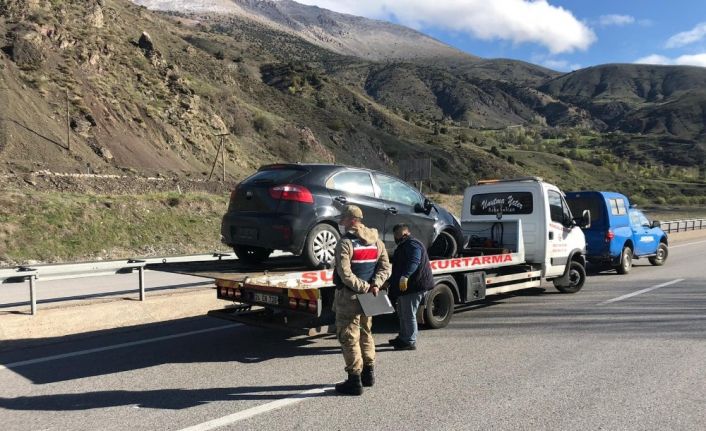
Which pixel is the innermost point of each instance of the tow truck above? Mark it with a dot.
(519, 232)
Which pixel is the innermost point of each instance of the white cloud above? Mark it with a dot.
(614, 19)
(687, 37)
(519, 21)
(561, 65)
(682, 60)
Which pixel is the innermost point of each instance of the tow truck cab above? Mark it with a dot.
(552, 235)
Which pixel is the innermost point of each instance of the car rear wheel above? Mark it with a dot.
(444, 246)
(661, 256)
(625, 261)
(250, 254)
(320, 246)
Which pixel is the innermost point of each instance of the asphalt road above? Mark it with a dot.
(627, 353)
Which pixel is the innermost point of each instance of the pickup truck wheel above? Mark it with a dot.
(577, 277)
(251, 255)
(439, 307)
(660, 256)
(320, 246)
(444, 246)
(625, 261)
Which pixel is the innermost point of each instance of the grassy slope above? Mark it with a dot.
(53, 227)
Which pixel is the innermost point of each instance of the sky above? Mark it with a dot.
(562, 35)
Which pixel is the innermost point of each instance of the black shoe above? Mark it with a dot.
(367, 377)
(395, 341)
(352, 386)
(405, 346)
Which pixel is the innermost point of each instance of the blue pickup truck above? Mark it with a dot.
(618, 233)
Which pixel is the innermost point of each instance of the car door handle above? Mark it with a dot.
(341, 199)
(551, 235)
(392, 210)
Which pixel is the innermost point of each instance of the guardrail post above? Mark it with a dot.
(32, 295)
(141, 275)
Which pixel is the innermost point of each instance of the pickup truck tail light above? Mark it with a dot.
(609, 235)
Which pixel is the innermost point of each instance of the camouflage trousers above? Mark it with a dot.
(355, 335)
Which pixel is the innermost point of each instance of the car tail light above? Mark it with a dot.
(234, 193)
(609, 235)
(292, 192)
(312, 306)
(223, 291)
(293, 303)
(237, 294)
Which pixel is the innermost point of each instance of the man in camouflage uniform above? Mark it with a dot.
(361, 266)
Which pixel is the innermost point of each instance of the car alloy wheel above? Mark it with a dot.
(324, 246)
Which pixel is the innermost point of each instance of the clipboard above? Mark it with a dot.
(375, 305)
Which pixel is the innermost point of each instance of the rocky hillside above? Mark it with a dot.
(148, 93)
(340, 33)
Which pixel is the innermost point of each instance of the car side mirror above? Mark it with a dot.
(419, 208)
(655, 224)
(584, 222)
(428, 205)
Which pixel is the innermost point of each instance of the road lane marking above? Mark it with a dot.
(113, 347)
(688, 243)
(640, 292)
(254, 411)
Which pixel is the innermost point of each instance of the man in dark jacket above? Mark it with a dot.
(411, 278)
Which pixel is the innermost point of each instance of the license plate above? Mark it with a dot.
(265, 298)
(247, 233)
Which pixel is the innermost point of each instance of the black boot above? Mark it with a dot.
(352, 386)
(368, 375)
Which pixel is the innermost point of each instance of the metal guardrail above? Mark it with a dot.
(32, 275)
(674, 226)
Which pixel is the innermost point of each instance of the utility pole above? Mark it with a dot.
(221, 150)
(68, 123)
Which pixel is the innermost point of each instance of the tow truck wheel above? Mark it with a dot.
(439, 307)
(577, 277)
(660, 256)
(625, 261)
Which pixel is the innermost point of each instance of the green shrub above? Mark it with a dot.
(263, 124)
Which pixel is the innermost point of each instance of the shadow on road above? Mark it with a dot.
(165, 399)
(241, 344)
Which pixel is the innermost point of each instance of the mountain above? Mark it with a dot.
(663, 100)
(341, 33)
(148, 93)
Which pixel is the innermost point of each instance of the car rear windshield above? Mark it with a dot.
(591, 203)
(506, 203)
(274, 176)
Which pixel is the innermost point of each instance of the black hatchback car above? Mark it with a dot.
(296, 208)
